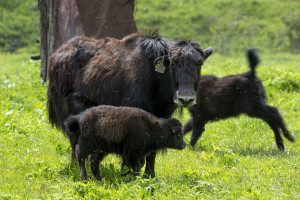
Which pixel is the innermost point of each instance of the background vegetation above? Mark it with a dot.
(228, 26)
(19, 24)
(235, 159)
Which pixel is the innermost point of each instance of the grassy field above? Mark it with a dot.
(235, 158)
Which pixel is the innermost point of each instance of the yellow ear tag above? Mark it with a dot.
(159, 67)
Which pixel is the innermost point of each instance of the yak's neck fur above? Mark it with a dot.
(112, 72)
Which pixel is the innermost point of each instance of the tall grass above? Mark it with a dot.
(234, 159)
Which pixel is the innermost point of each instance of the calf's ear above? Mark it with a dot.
(177, 130)
(174, 130)
(208, 51)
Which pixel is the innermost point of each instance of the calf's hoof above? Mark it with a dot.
(280, 147)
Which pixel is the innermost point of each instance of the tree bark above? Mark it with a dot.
(112, 18)
(61, 20)
(43, 7)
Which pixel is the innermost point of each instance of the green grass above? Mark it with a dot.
(228, 26)
(234, 159)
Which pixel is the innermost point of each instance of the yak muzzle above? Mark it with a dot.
(184, 100)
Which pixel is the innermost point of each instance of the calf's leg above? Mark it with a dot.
(133, 163)
(150, 163)
(278, 138)
(81, 162)
(279, 120)
(94, 160)
(271, 115)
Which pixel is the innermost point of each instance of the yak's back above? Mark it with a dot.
(223, 95)
(116, 124)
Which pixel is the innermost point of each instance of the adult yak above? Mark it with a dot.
(145, 71)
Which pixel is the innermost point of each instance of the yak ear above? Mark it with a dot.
(208, 51)
(166, 60)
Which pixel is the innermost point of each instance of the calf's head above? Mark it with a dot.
(175, 137)
(186, 59)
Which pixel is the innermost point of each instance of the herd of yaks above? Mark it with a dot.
(117, 96)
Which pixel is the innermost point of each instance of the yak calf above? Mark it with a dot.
(130, 132)
(219, 98)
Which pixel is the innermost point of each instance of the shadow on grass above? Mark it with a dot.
(199, 148)
(262, 151)
(109, 173)
(247, 151)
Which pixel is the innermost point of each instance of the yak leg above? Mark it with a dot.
(271, 115)
(142, 162)
(136, 163)
(133, 164)
(95, 159)
(126, 162)
(188, 126)
(198, 128)
(280, 123)
(278, 138)
(150, 163)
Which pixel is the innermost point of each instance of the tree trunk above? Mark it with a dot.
(43, 7)
(60, 20)
(112, 18)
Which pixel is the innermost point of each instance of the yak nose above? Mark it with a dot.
(186, 100)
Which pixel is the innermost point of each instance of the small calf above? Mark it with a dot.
(129, 132)
(219, 98)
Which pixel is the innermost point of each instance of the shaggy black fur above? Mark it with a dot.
(219, 98)
(86, 72)
(131, 132)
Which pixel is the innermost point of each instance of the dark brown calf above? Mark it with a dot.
(219, 98)
(131, 132)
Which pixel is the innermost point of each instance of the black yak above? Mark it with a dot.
(130, 132)
(219, 98)
(148, 72)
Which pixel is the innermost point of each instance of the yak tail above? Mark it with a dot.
(72, 128)
(253, 60)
